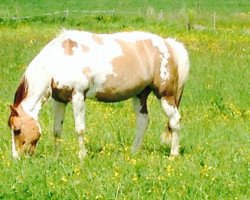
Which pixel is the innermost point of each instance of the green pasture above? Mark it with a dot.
(215, 137)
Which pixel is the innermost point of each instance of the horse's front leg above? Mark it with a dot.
(59, 112)
(78, 102)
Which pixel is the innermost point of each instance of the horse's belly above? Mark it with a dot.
(118, 90)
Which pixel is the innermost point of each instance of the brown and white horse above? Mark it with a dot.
(106, 67)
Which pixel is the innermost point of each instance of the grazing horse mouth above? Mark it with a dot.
(25, 132)
(26, 149)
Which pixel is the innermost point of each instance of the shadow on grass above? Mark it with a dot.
(94, 151)
(159, 150)
(164, 150)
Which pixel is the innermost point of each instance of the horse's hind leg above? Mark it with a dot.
(170, 108)
(142, 119)
(59, 112)
(166, 136)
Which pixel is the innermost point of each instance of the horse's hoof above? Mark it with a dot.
(16, 156)
(82, 154)
(134, 150)
(174, 154)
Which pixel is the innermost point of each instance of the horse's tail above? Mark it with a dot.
(181, 59)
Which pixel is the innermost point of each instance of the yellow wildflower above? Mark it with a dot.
(64, 179)
(135, 178)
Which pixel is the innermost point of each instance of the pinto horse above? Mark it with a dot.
(106, 67)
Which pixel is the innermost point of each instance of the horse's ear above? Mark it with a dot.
(13, 111)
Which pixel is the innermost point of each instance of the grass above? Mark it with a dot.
(214, 161)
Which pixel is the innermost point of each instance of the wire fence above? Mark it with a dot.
(148, 13)
(66, 13)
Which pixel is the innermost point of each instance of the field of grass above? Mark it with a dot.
(215, 137)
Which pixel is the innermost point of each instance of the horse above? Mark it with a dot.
(77, 65)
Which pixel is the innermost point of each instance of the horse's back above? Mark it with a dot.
(109, 67)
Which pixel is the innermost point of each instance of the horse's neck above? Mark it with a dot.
(31, 108)
(35, 99)
(38, 81)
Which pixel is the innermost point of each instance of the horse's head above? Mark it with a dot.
(25, 130)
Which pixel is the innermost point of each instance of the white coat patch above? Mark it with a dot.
(164, 68)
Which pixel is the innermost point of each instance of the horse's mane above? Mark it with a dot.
(21, 92)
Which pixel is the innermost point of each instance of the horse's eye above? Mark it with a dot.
(17, 132)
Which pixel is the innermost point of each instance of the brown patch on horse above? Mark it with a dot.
(25, 128)
(21, 92)
(85, 49)
(131, 71)
(167, 88)
(175, 74)
(98, 39)
(63, 94)
(171, 85)
(87, 72)
(68, 46)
